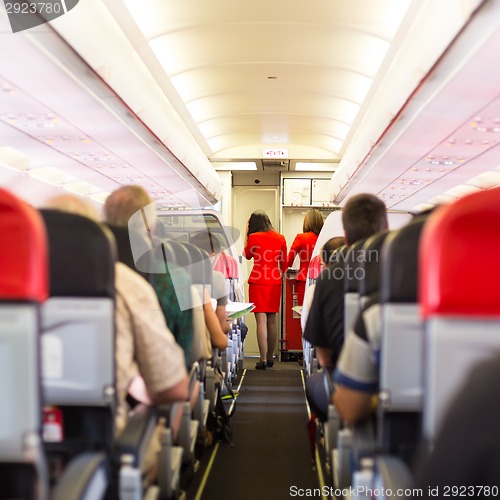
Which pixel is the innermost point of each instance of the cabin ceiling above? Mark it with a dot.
(62, 128)
(252, 76)
(366, 89)
(282, 84)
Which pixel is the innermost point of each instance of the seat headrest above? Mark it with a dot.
(178, 253)
(23, 252)
(82, 256)
(459, 252)
(227, 265)
(124, 248)
(400, 263)
(353, 261)
(369, 282)
(314, 267)
(201, 264)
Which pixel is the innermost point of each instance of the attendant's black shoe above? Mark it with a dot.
(269, 364)
(261, 365)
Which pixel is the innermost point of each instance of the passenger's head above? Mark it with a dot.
(329, 248)
(72, 204)
(313, 221)
(363, 215)
(259, 222)
(206, 241)
(125, 202)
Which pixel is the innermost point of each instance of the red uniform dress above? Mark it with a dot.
(303, 246)
(268, 250)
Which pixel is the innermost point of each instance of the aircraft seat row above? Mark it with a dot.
(189, 270)
(24, 287)
(57, 352)
(435, 300)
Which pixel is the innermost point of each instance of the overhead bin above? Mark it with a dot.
(65, 112)
(420, 126)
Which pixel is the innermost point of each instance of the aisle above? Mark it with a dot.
(270, 452)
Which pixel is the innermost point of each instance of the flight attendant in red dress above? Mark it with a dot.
(303, 246)
(268, 250)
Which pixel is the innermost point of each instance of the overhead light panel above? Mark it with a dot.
(315, 167)
(236, 165)
(52, 175)
(14, 159)
(486, 180)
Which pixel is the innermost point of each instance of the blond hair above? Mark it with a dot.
(73, 204)
(125, 202)
(313, 221)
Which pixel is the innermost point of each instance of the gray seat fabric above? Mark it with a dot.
(453, 347)
(401, 356)
(78, 338)
(23, 285)
(401, 346)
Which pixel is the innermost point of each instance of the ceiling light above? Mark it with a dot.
(486, 180)
(442, 200)
(14, 159)
(461, 190)
(315, 167)
(82, 188)
(421, 208)
(51, 175)
(236, 165)
(100, 197)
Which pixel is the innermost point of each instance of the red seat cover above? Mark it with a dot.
(460, 258)
(23, 251)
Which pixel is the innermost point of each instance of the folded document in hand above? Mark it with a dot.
(237, 309)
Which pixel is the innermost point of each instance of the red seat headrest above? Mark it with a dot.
(23, 252)
(227, 265)
(460, 258)
(314, 267)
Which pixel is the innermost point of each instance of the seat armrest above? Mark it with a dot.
(363, 441)
(85, 478)
(394, 474)
(135, 437)
(194, 373)
(172, 413)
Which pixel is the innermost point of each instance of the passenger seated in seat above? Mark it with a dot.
(211, 245)
(325, 259)
(362, 216)
(357, 375)
(144, 344)
(119, 207)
